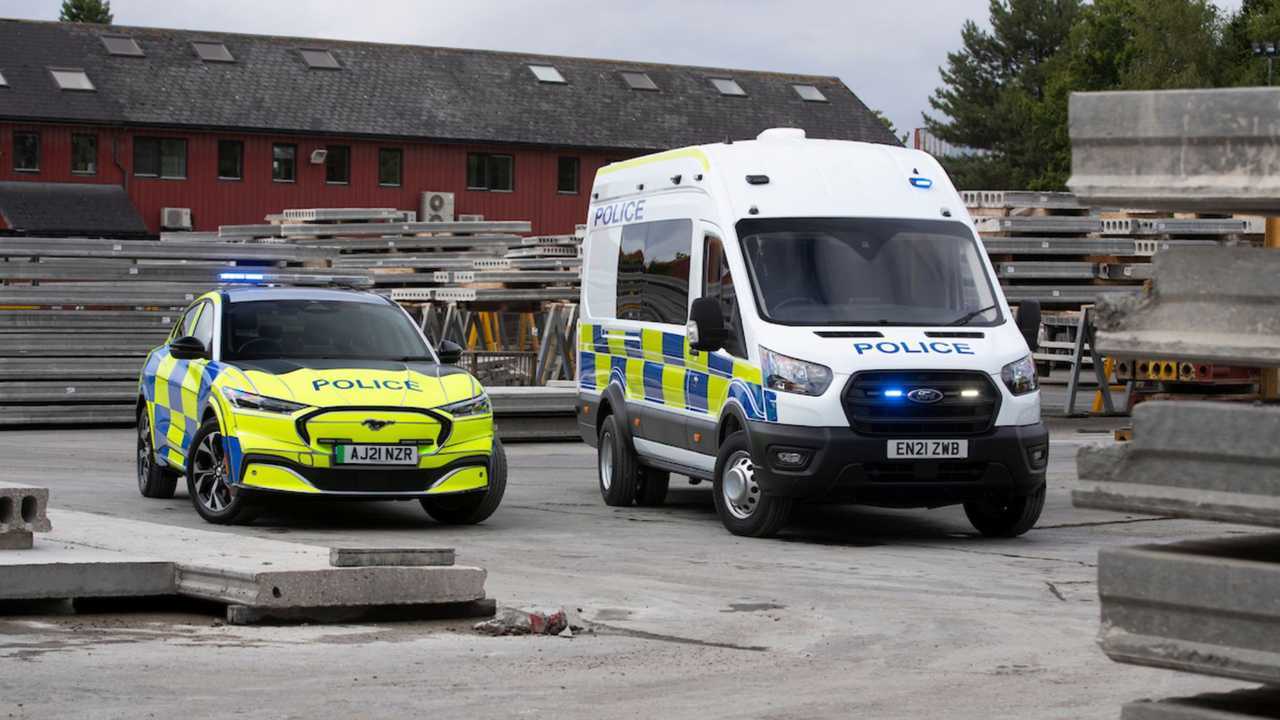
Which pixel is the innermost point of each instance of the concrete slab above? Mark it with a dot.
(1205, 460)
(1207, 606)
(56, 570)
(372, 557)
(1253, 704)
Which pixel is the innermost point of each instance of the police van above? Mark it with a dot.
(800, 320)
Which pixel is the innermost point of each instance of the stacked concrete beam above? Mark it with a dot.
(1208, 606)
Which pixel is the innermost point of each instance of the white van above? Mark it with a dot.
(803, 320)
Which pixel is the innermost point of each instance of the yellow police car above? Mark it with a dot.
(302, 392)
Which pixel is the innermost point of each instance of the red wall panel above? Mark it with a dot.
(428, 166)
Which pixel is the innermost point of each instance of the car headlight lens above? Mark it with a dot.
(1020, 376)
(787, 374)
(242, 400)
(478, 405)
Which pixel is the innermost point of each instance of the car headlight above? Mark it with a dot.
(790, 375)
(478, 405)
(1020, 376)
(242, 400)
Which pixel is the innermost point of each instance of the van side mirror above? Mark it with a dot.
(188, 348)
(1028, 320)
(450, 352)
(706, 329)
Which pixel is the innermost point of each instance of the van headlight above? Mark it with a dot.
(787, 374)
(478, 405)
(1020, 376)
(242, 400)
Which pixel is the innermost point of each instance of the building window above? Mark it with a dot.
(284, 162)
(337, 164)
(160, 157)
(547, 74)
(121, 45)
(490, 172)
(809, 93)
(390, 167)
(26, 151)
(210, 51)
(320, 59)
(72, 79)
(728, 86)
(230, 160)
(84, 154)
(567, 176)
(639, 81)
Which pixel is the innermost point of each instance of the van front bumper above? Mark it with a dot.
(842, 466)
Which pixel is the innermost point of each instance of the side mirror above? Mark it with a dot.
(450, 352)
(706, 329)
(188, 348)
(1028, 321)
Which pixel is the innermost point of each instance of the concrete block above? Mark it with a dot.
(1252, 704)
(1212, 304)
(23, 510)
(1206, 460)
(17, 540)
(1210, 607)
(375, 557)
(1211, 150)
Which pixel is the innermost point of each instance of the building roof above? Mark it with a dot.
(404, 91)
(34, 208)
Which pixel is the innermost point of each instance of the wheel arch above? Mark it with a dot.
(732, 419)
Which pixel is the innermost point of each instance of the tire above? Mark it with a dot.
(651, 490)
(154, 481)
(1006, 518)
(214, 499)
(474, 507)
(743, 508)
(617, 467)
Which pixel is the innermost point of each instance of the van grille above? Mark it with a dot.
(872, 412)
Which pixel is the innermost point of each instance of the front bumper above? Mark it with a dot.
(843, 466)
(273, 474)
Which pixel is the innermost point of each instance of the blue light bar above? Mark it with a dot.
(893, 393)
(242, 277)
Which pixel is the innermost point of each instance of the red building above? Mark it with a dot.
(102, 127)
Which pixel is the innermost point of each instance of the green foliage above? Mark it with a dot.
(97, 12)
(889, 124)
(1008, 90)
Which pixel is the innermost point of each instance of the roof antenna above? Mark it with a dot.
(728, 141)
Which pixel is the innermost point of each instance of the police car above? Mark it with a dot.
(803, 320)
(277, 392)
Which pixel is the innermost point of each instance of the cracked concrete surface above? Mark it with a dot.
(855, 611)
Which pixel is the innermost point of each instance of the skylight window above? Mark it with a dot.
(809, 93)
(122, 45)
(546, 74)
(728, 86)
(210, 51)
(72, 79)
(639, 81)
(320, 59)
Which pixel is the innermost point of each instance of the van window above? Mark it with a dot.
(653, 271)
(717, 282)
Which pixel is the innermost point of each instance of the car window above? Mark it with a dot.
(203, 330)
(186, 323)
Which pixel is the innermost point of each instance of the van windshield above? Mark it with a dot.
(867, 271)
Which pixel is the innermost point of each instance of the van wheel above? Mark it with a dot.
(618, 468)
(474, 507)
(741, 505)
(652, 490)
(1006, 518)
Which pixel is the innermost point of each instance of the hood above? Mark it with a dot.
(338, 383)
(847, 350)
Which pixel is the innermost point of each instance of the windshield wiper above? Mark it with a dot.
(412, 358)
(964, 319)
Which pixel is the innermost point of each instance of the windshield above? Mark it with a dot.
(867, 271)
(267, 329)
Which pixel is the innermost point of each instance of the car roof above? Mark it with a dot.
(257, 294)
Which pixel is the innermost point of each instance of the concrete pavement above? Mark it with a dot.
(879, 613)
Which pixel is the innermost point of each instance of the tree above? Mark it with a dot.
(97, 12)
(889, 124)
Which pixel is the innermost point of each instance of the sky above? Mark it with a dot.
(887, 52)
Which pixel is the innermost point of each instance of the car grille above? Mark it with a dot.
(872, 412)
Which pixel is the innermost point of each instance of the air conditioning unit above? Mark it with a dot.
(318, 155)
(175, 218)
(436, 207)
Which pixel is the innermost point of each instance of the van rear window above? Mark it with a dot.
(653, 271)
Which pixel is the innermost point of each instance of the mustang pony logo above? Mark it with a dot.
(377, 424)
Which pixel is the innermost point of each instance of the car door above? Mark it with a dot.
(177, 386)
